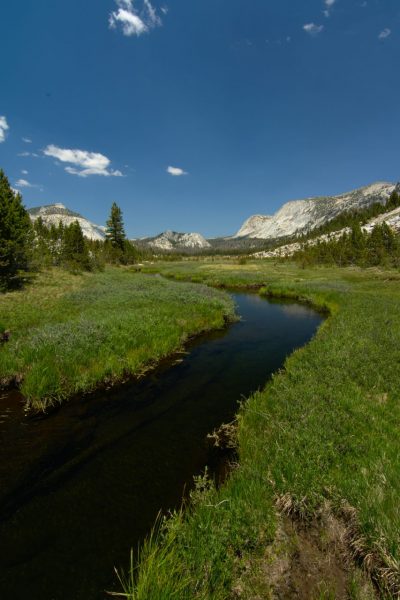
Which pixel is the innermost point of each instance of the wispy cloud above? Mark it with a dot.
(26, 154)
(85, 163)
(313, 29)
(176, 171)
(384, 34)
(4, 127)
(134, 21)
(27, 140)
(24, 172)
(328, 6)
(23, 183)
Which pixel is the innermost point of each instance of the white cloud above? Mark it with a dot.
(384, 34)
(313, 29)
(176, 171)
(3, 128)
(134, 21)
(24, 172)
(86, 163)
(328, 4)
(23, 183)
(26, 140)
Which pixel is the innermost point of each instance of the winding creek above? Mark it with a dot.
(82, 487)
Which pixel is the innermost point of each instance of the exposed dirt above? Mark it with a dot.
(307, 561)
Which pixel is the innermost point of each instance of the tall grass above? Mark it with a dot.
(323, 432)
(71, 333)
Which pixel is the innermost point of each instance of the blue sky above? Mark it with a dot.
(247, 104)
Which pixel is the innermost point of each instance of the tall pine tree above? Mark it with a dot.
(15, 228)
(115, 228)
(74, 248)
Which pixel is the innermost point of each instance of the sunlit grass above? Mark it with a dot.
(325, 429)
(71, 333)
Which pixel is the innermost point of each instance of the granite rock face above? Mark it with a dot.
(300, 216)
(52, 214)
(172, 240)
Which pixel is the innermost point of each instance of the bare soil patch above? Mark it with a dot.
(306, 561)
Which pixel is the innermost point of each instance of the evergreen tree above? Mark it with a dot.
(115, 228)
(393, 201)
(357, 243)
(15, 228)
(74, 249)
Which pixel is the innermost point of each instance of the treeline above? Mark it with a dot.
(351, 218)
(27, 246)
(66, 246)
(380, 247)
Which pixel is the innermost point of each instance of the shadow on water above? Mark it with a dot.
(80, 488)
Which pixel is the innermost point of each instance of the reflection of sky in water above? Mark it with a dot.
(297, 310)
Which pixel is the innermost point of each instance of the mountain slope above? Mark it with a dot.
(52, 214)
(299, 216)
(391, 218)
(172, 240)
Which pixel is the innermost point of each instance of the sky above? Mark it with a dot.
(193, 115)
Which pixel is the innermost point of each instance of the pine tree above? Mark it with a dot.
(115, 228)
(74, 248)
(15, 228)
(393, 201)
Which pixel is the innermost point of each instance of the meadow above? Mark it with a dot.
(70, 333)
(319, 444)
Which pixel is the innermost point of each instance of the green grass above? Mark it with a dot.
(325, 430)
(71, 333)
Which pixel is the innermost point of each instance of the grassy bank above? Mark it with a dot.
(70, 333)
(321, 438)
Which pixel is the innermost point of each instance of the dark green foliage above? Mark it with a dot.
(74, 248)
(15, 231)
(61, 245)
(115, 228)
(379, 247)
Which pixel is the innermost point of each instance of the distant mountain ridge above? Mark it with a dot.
(173, 240)
(52, 214)
(299, 216)
(259, 231)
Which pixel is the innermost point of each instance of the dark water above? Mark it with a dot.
(80, 488)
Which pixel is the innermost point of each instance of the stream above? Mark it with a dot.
(80, 488)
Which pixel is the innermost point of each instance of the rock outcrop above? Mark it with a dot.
(300, 216)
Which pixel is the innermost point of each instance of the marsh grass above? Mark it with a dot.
(324, 429)
(71, 333)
